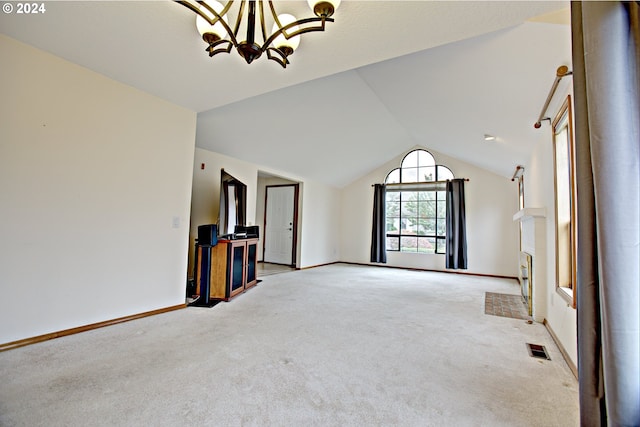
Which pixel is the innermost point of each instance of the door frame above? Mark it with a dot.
(294, 243)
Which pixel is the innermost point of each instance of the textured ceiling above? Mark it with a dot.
(386, 76)
(340, 127)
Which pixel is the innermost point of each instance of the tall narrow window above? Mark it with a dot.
(565, 197)
(416, 209)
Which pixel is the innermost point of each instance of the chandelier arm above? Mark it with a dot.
(217, 17)
(238, 19)
(226, 49)
(299, 22)
(196, 10)
(282, 59)
(223, 22)
(274, 15)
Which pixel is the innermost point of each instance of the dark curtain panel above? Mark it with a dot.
(456, 247)
(378, 231)
(605, 37)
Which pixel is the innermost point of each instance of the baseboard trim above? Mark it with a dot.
(66, 332)
(563, 351)
(495, 276)
(430, 270)
(320, 265)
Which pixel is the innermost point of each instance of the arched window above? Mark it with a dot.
(416, 205)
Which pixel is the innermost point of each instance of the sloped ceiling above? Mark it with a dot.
(386, 76)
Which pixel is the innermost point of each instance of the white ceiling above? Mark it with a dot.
(386, 76)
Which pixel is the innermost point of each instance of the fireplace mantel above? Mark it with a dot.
(533, 242)
(527, 213)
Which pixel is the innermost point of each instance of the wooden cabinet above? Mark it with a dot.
(232, 269)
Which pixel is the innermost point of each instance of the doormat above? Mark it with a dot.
(505, 305)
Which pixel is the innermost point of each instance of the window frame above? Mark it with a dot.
(415, 187)
(566, 271)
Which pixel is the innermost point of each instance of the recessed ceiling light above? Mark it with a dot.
(488, 137)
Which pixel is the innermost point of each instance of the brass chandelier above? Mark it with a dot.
(221, 35)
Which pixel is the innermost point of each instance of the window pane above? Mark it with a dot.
(408, 196)
(427, 174)
(393, 243)
(410, 160)
(423, 195)
(563, 197)
(444, 173)
(428, 209)
(441, 211)
(422, 210)
(408, 244)
(429, 226)
(415, 225)
(393, 225)
(409, 174)
(409, 226)
(440, 246)
(423, 226)
(393, 209)
(408, 209)
(426, 245)
(425, 158)
(393, 177)
(392, 196)
(442, 227)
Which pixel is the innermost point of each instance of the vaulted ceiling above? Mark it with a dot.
(386, 76)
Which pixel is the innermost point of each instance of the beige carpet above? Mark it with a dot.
(338, 345)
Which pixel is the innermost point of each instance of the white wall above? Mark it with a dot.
(320, 215)
(539, 193)
(492, 237)
(319, 204)
(95, 179)
(205, 197)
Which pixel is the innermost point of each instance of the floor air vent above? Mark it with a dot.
(537, 350)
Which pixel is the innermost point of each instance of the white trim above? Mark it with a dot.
(530, 213)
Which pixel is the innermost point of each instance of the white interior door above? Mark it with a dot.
(279, 225)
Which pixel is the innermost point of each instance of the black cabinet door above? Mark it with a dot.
(252, 260)
(236, 275)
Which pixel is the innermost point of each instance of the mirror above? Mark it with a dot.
(233, 203)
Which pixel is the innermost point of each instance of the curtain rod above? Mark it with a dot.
(561, 72)
(428, 182)
(518, 173)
